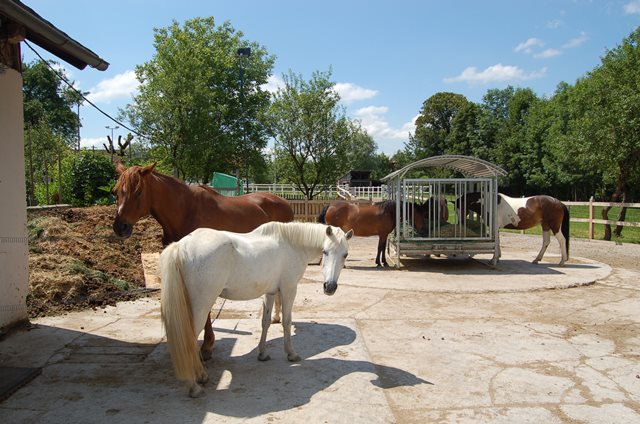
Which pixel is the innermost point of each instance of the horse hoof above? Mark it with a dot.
(206, 354)
(378, 266)
(263, 357)
(196, 391)
(386, 265)
(203, 379)
(275, 321)
(294, 357)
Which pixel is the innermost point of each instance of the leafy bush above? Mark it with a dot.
(88, 174)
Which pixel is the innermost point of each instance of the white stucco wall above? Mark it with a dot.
(14, 253)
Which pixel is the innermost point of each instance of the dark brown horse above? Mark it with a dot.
(524, 213)
(181, 208)
(366, 220)
(435, 209)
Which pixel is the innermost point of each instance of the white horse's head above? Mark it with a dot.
(334, 250)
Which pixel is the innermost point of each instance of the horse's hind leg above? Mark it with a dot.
(563, 247)
(277, 309)
(206, 350)
(267, 306)
(382, 243)
(546, 239)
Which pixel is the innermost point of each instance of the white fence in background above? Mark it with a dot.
(350, 193)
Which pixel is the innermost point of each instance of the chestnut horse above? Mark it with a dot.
(181, 208)
(527, 212)
(367, 220)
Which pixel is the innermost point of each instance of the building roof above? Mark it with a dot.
(46, 35)
(467, 165)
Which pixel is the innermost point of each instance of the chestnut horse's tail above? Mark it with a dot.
(323, 214)
(565, 226)
(177, 316)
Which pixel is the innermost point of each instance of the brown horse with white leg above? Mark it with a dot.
(181, 208)
(524, 213)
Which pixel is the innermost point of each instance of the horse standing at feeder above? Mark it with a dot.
(366, 220)
(180, 208)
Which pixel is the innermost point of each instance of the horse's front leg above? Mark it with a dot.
(546, 239)
(267, 306)
(287, 306)
(206, 350)
(277, 310)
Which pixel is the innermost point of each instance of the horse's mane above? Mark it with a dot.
(132, 178)
(387, 206)
(297, 233)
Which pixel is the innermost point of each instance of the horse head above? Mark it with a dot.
(434, 209)
(334, 250)
(133, 198)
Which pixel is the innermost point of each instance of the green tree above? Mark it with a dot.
(606, 124)
(89, 177)
(50, 128)
(47, 98)
(361, 151)
(433, 126)
(192, 103)
(311, 132)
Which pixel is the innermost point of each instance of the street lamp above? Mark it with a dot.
(243, 54)
(112, 128)
(83, 94)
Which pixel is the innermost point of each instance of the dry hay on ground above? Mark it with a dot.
(76, 262)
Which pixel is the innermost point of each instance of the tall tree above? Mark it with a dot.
(50, 126)
(606, 127)
(199, 101)
(311, 132)
(434, 125)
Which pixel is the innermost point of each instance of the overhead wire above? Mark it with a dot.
(62, 78)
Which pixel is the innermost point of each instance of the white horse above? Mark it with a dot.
(267, 261)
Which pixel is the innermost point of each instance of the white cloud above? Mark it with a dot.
(546, 54)
(495, 73)
(575, 42)
(274, 83)
(554, 24)
(350, 92)
(88, 142)
(373, 120)
(632, 7)
(120, 86)
(527, 45)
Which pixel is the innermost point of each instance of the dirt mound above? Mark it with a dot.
(76, 262)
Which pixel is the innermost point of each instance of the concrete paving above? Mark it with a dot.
(435, 341)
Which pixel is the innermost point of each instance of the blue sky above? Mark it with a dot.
(387, 57)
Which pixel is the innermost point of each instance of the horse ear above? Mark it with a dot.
(147, 169)
(349, 234)
(329, 230)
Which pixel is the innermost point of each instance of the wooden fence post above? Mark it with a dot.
(591, 200)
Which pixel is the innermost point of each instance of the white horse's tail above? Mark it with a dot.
(177, 316)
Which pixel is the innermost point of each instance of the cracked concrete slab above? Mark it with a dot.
(434, 341)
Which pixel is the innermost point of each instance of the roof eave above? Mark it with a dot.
(50, 38)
